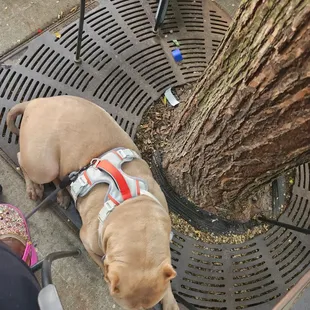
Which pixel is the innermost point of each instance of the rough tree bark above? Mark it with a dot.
(248, 119)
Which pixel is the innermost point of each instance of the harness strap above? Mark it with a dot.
(118, 178)
(108, 169)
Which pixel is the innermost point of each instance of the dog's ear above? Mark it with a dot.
(113, 279)
(169, 272)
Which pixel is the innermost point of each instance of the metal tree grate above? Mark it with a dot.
(125, 68)
(251, 275)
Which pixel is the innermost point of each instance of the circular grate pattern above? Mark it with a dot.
(252, 275)
(125, 68)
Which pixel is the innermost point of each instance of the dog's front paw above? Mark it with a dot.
(169, 302)
(171, 305)
(63, 199)
(34, 191)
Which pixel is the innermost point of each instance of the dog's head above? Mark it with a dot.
(136, 289)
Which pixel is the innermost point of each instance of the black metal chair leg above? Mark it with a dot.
(161, 13)
(80, 34)
(37, 266)
(47, 264)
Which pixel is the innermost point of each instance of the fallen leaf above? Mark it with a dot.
(59, 16)
(176, 42)
(57, 35)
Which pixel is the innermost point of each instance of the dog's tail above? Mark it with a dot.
(12, 115)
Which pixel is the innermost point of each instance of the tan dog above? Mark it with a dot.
(62, 134)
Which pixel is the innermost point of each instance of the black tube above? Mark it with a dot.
(42, 203)
(66, 181)
(47, 264)
(37, 266)
(161, 13)
(284, 225)
(80, 33)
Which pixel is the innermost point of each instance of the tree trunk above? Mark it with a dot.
(248, 119)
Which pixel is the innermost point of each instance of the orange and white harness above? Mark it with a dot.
(108, 169)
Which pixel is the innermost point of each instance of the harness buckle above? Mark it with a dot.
(108, 207)
(122, 153)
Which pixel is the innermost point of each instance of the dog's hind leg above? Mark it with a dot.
(34, 191)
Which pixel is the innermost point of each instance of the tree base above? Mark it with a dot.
(211, 228)
(200, 219)
(153, 134)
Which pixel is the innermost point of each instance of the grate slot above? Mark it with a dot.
(14, 86)
(305, 265)
(203, 299)
(2, 114)
(215, 286)
(132, 103)
(255, 278)
(306, 218)
(292, 205)
(39, 91)
(8, 82)
(30, 59)
(143, 105)
(281, 244)
(134, 91)
(290, 259)
(66, 34)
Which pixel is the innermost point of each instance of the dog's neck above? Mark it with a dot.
(128, 253)
(101, 228)
(126, 223)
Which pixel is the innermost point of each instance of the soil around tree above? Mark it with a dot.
(154, 134)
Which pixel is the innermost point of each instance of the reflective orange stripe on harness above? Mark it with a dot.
(117, 176)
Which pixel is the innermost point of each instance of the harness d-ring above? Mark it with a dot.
(94, 162)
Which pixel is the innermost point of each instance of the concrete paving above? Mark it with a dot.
(21, 19)
(229, 6)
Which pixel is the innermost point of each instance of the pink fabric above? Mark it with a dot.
(30, 249)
